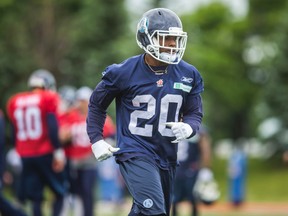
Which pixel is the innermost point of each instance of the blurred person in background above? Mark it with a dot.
(81, 162)
(67, 111)
(67, 95)
(81, 165)
(6, 208)
(33, 117)
(237, 173)
(194, 156)
(153, 91)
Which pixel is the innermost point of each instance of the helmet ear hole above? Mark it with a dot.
(144, 40)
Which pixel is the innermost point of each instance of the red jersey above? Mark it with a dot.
(109, 128)
(80, 146)
(27, 112)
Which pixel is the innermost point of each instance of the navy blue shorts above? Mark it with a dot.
(36, 174)
(150, 186)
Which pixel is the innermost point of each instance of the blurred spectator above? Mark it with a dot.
(33, 117)
(237, 169)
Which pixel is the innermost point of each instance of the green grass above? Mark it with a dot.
(266, 180)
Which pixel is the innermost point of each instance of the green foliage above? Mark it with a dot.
(76, 40)
(216, 49)
(73, 39)
(243, 64)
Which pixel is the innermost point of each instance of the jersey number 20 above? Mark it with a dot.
(151, 111)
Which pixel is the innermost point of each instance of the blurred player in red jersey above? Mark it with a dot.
(33, 117)
(81, 161)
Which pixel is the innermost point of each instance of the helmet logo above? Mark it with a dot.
(148, 203)
(143, 25)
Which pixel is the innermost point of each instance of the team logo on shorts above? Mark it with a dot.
(148, 203)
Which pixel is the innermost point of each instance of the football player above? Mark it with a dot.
(33, 116)
(153, 91)
(81, 166)
(194, 156)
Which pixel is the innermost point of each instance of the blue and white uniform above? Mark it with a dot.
(145, 101)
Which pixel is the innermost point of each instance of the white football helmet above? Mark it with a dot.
(42, 78)
(153, 29)
(206, 188)
(84, 93)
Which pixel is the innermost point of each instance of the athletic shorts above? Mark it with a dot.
(150, 186)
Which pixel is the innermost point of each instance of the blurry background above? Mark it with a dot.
(239, 46)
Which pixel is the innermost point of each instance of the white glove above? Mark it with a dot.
(102, 150)
(59, 155)
(181, 130)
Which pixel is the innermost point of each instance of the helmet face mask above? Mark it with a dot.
(153, 31)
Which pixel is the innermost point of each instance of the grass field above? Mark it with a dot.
(266, 180)
(219, 209)
(266, 193)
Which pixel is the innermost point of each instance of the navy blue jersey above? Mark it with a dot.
(145, 101)
(189, 157)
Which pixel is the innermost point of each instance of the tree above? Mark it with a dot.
(73, 39)
(218, 42)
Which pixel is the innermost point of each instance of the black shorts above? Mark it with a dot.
(150, 186)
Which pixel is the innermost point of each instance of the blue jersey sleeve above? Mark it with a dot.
(53, 130)
(101, 98)
(108, 88)
(98, 103)
(194, 118)
(193, 109)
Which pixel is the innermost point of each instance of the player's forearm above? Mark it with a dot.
(100, 99)
(194, 116)
(95, 123)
